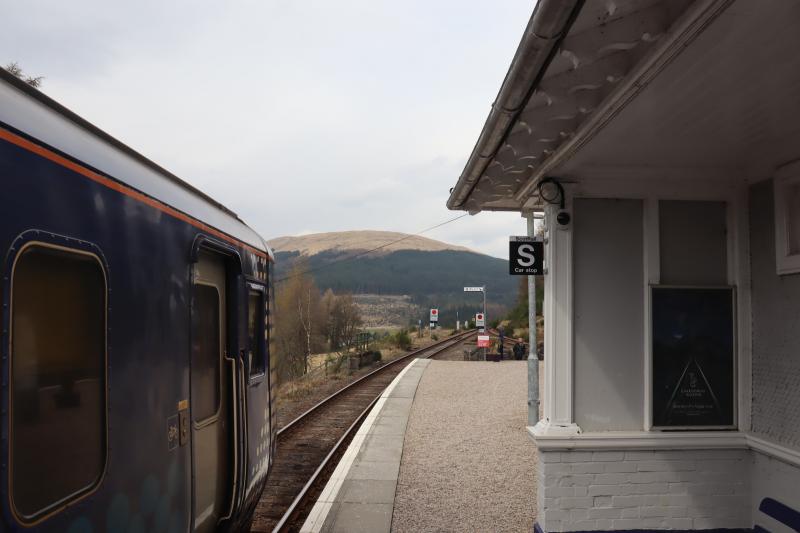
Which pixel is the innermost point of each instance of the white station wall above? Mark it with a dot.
(693, 243)
(776, 330)
(608, 319)
(776, 361)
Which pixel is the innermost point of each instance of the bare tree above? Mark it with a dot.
(306, 324)
(327, 303)
(14, 69)
(347, 319)
(297, 319)
(343, 320)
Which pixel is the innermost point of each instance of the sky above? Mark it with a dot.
(302, 116)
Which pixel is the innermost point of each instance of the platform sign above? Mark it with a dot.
(480, 321)
(473, 289)
(434, 315)
(525, 256)
(483, 341)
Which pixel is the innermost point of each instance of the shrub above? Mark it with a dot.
(333, 363)
(402, 339)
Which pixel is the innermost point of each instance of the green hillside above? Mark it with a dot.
(431, 278)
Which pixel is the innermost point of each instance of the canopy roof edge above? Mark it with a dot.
(549, 23)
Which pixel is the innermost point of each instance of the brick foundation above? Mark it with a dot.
(634, 490)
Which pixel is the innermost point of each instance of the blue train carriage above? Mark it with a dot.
(135, 350)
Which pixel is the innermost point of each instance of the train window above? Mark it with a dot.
(255, 332)
(205, 353)
(58, 378)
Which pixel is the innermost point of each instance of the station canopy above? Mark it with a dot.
(648, 89)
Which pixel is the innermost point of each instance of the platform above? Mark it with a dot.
(443, 449)
(359, 496)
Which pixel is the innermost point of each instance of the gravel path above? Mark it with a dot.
(468, 463)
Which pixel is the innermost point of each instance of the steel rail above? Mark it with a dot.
(365, 376)
(299, 500)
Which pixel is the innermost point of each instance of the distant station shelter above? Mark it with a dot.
(661, 140)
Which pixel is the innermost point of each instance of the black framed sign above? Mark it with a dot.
(525, 256)
(694, 356)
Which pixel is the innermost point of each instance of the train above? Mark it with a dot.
(136, 310)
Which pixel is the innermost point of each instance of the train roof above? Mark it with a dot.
(35, 114)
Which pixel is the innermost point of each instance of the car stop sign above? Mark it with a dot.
(434, 315)
(525, 256)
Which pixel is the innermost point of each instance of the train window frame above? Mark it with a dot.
(214, 416)
(70, 246)
(255, 379)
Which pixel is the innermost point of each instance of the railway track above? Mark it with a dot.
(308, 447)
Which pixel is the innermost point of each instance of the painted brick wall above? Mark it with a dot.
(681, 489)
(776, 323)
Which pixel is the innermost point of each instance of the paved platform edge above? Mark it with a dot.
(359, 495)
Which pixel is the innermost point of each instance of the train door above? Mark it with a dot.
(212, 426)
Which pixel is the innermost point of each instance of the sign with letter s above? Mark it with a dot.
(525, 256)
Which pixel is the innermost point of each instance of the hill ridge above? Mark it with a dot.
(360, 240)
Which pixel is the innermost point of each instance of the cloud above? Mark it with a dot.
(299, 116)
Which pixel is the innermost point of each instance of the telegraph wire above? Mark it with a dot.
(366, 252)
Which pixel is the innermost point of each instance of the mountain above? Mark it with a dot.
(359, 241)
(426, 272)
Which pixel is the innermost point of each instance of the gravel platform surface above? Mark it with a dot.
(468, 463)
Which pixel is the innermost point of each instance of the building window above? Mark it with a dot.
(58, 378)
(256, 315)
(787, 219)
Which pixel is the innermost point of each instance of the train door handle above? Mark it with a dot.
(233, 380)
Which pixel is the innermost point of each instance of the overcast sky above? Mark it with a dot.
(302, 116)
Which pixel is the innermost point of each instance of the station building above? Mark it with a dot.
(661, 140)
